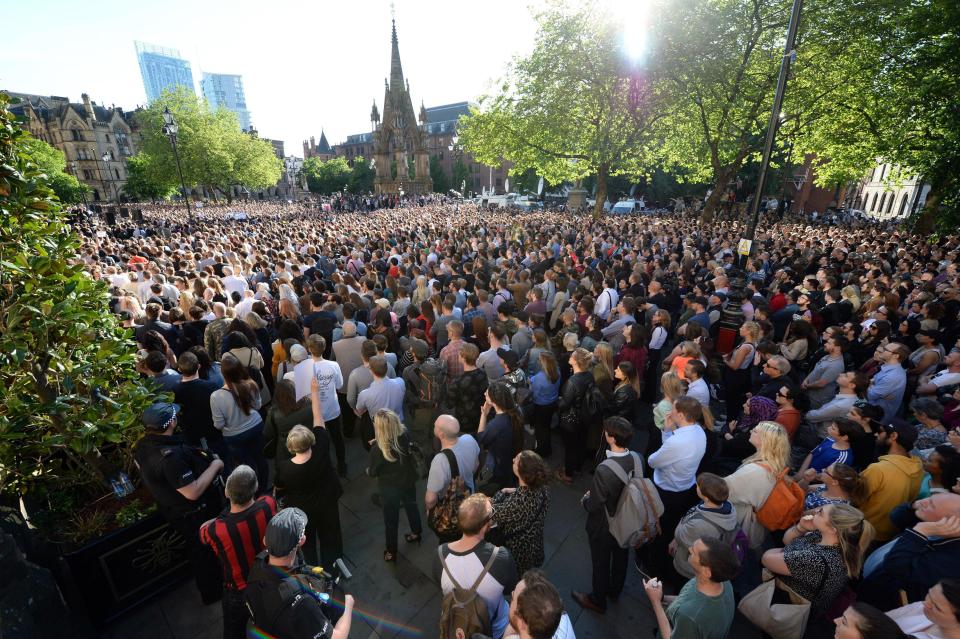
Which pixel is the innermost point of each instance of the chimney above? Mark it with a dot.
(87, 105)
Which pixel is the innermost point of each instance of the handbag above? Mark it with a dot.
(780, 621)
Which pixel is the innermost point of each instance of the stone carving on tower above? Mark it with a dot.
(401, 159)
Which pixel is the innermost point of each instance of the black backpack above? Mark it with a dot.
(594, 407)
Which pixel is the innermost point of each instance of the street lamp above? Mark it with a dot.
(83, 187)
(170, 129)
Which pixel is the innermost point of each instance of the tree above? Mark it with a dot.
(53, 164)
(326, 177)
(438, 175)
(213, 151)
(140, 184)
(361, 176)
(461, 175)
(897, 101)
(573, 107)
(59, 343)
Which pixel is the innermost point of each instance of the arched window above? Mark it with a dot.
(873, 203)
(890, 202)
(882, 200)
(903, 204)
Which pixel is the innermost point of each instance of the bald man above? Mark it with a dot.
(453, 446)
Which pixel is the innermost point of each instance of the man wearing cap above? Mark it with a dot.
(281, 600)
(181, 479)
(893, 479)
(236, 537)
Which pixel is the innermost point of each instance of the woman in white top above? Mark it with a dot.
(751, 484)
(936, 617)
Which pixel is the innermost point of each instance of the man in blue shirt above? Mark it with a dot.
(886, 389)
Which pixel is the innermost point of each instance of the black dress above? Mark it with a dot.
(396, 483)
(314, 488)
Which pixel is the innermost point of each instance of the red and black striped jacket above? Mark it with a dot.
(237, 538)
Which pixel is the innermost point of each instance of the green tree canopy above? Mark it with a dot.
(441, 183)
(361, 175)
(213, 151)
(59, 342)
(326, 176)
(574, 107)
(140, 184)
(53, 164)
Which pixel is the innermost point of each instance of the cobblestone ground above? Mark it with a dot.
(402, 600)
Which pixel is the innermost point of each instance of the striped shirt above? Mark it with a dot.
(237, 538)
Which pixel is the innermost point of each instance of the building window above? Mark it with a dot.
(82, 154)
(87, 175)
(77, 135)
(107, 136)
(873, 203)
(112, 158)
(116, 173)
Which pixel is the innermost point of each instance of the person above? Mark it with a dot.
(608, 559)
(931, 431)
(382, 393)
(893, 479)
(927, 550)
(835, 447)
(307, 481)
(545, 391)
(840, 484)
(346, 353)
(501, 436)
(850, 387)
(863, 621)
(950, 376)
(423, 385)
(468, 393)
(672, 388)
(737, 370)
(489, 360)
(536, 610)
(696, 385)
(328, 374)
(285, 413)
(235, 410)
(193, 397)
(392, 465)
(465, 451)
(823, 552)
(569, 405)
(752, 482)
(704, 609)
(450, 353)
(236, 537)
(519, 513)
(736, 446)
(821, 383)
(776, 370)
(458, 564)
(181, 480)
(936, 617)
(888, 385)
(626, 394)
(675, 471)
(714, 516)
(275, 586)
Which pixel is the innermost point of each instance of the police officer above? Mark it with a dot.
(281, 595)
(181, 479)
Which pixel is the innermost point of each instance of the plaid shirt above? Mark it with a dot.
(450, 356)
(468, 320)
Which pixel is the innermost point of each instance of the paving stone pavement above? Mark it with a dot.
(402, 600)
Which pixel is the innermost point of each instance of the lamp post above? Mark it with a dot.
(83, 187)
(170, 129)
(789, 54)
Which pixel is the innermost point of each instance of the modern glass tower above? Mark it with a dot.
(226, 90)
(162, 68)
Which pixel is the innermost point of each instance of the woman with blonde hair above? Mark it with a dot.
(603, 365)
(751, 484)
(738, 366)
(392, 464)
(420, 294)
(823, 552)
(673, 387)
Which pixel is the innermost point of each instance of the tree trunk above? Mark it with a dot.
(602, 172)
(926, 221)
(711, 204)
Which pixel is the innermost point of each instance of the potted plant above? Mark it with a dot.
(70, 402)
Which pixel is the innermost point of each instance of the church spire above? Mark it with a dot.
(396, 71)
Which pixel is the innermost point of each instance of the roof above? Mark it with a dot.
(51, 107)
(324, 146)
(448, 112)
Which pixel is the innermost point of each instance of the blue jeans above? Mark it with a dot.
(247, 448)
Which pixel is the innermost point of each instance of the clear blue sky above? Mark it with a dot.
(306, 66)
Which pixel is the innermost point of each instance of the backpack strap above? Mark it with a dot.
(617, 469)
(452, 460)
(483, 573)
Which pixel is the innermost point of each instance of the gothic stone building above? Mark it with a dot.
(95, 139)
(400, 146)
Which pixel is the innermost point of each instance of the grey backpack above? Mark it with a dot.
(637, 518)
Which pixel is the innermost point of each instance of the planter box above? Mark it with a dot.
(118, 571)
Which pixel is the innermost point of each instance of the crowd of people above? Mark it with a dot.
(792, 417)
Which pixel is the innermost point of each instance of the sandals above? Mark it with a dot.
(413, 538)
(389, 557)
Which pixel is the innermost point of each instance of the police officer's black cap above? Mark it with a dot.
(159, 415)
(284, 531)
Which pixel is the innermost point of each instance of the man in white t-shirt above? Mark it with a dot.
(949, 376)
(330, 380)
